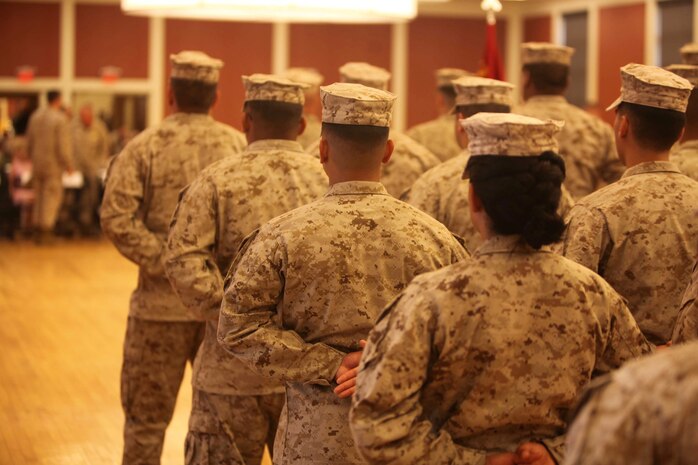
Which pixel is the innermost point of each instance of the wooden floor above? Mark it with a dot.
(63, 315)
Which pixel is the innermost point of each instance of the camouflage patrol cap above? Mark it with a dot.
(688, 72)
(309, 76)
(273, 88)
(510, 135)
(444, 76)
(366, 74)
(195, 66)
(544, 52)
(689, 54)
(474, 90)
(652, 86)
(356, 104)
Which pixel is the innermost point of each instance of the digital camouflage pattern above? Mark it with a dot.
(586, 143)
(270, 88)
(686, 327)
(445, 76)
(366, 74)
(644, 413)
(545, 52)
(313, 130)
(442, 193)
(685, 156)
(484, 355)
(91, 147)
(356, 104)
(689, 54)
(641, 235)
(155, 356)
(142, 190)
(476, 90)
(231, 430)
(438, 136)
(49, 145)
(324, 272)
(228, 201)
(195, 66)
(407, 163)
(653, 86)
(688, 72)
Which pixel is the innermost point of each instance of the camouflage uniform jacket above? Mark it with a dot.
(642, 414)
(313, 129)
(143, 185)
(442, 193)
(324, 272)
(685, 156)
(641, 235)
(91, 147)
(686, 327)
(408, 162)
(49, 142)
(437, 135)
(586, 143)
(484, 355)
(228, 201)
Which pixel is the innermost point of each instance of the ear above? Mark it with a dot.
(459, 128)
(622, 125)
(474, 201)
(170, 97)
(246, 122)
(324, 150)
(389, 147)
(525, 78)
(302, 124)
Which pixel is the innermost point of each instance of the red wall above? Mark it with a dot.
(621, 41)
(326, 47)
(244, 47)
(29, 35)
(440, 43)
(537, 29)
(106, 37)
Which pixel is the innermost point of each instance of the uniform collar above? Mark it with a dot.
(188, 117)
(506, 244)
(357, 188)
(692, 144)
(548, 98)
(275, 144)
(651, 167)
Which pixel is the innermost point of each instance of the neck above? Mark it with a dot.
(349, 176)
(536, 93)
(251, 138)
(644, 156)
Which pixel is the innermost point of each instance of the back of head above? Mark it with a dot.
(521, 195)
(692, 110)
(466, 111)
(356, 147)
(53, 96)
(657, 129)
(193, 96)
(277, 120)
(548, 78)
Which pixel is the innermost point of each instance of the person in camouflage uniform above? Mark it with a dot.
(142, 188)
(312, 108)
(410, 159)
(50, 148)
(642, 414)
(686, 327)
(438, 135)
(640, 233)
(324, 272)
(586, 142)
(478, 363)
(685, 153)
(235, 410)
(441, 191)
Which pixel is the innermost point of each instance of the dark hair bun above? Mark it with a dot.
(521, 195)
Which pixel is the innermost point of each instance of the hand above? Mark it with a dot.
(533, 453)
(347, 372)
(506, 458)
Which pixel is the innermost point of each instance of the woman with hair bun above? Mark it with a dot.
(479, 363)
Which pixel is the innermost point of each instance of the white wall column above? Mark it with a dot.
(398, 65)
(67, 50)
(156, 71)
(651, 12)
(515, 35)
(592, 84)
(280, 47)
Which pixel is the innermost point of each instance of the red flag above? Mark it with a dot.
(492, 66)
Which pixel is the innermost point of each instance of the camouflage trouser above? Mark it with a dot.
(48, 199)
(231, 430)
(155, 356)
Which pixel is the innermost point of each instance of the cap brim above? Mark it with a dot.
(615, 104)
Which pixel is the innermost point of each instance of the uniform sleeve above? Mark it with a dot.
(189, 261)
(387, 419)
(623, 339)
(586, 239)
(686, 327)
(424, 196)
(121, 217)
(64, 140)
(249, 326)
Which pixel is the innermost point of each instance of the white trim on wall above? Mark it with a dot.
(651, 52)
(156, 70)
(280, 47)
(399, 48)
(593, 45)
(67, 50)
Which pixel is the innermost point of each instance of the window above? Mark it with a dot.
(575, 36)
(675, 29)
